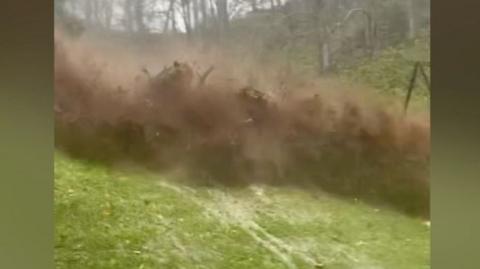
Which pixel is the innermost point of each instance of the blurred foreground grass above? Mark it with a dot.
(106, 218)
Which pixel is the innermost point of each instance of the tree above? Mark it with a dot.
(107, 7)
(253, 4)
(222, 14)
(139, 16)
(411, 19)
(128, 15)
(186, 14)
(170, 17)
(196, 12)
(204, 8)
(59, 8)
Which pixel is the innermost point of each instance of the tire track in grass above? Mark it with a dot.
(224, 209)
(340, 249)
(275, 245)
(281, 244)
(271, 247)
(245, 220)
(235, 213)
(330, 251)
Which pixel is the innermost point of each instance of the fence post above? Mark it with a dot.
(425, 77)
(410, 87)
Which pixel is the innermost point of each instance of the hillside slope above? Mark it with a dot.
(106, 218)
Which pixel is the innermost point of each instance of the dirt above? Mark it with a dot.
(230, 132)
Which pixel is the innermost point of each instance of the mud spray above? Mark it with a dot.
(222, 129)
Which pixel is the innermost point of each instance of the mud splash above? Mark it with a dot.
(222, 132)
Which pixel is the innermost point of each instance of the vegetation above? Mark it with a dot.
(238, 135)
(391, 72)
(262, 164)
(327, 33)
(106, 218)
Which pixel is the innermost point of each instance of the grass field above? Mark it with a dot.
(107, 218)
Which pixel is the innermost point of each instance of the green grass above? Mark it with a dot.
(106, 218)
(390, 72)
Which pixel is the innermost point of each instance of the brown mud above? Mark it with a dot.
(222, 130)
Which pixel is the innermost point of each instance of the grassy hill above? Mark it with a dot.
(390, 72)
(106, 218)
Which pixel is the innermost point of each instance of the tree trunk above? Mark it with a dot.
(174, 21)
(411, 19)
(169, 16)
(203, 7)
(369, 40)
(323, 35)
(272, 4)
(108, 13)
(96, 12)
(88, 11)
(254, 5)
(222, 9)
(187, 18)
(128, 18)
(213, 14)
(59, 8)
(325, 57)
(279, 3)
(139, 16)
(195, 11)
